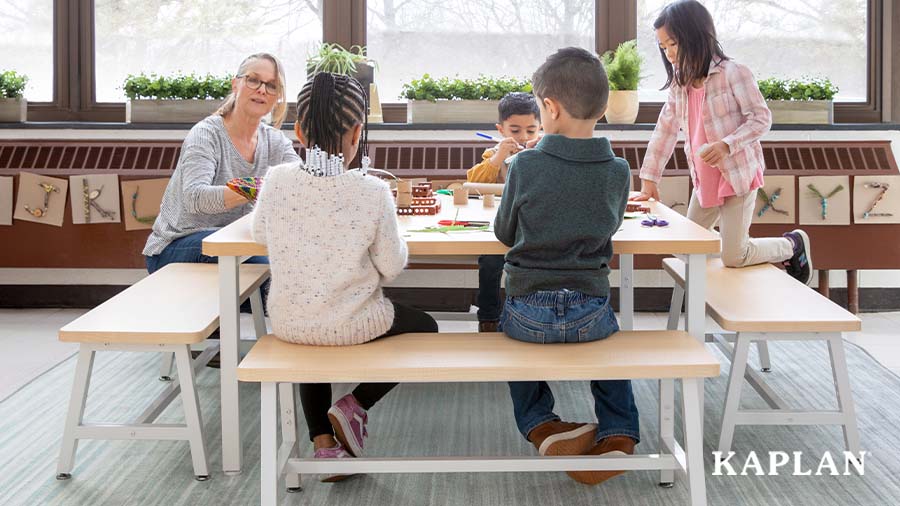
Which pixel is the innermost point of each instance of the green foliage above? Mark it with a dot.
(177, 87)
(335, 59)
(481, 88)
(12, 85)
(797, 89)
(623, 67)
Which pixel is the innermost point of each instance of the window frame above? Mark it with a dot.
(344, 22)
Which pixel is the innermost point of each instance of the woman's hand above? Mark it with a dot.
(233, 199)
(715, 153)
(649, 190)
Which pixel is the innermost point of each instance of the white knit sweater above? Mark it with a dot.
(333, 242)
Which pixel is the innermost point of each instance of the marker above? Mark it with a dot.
(485, 136)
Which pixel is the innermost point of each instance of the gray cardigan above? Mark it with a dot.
(194, 199)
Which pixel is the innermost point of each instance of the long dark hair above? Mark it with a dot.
(692, 27)
(329, 106)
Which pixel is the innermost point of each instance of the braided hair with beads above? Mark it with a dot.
(329, 106)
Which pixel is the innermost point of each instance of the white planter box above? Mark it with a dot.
(452, 111)
(803, 112)
(169, 111)
(13, 110)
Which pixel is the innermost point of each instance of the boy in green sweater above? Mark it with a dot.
(561, 205)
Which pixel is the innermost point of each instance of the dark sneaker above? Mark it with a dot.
(488, 326)
(613, 445)
(800, 265)
(562, 438)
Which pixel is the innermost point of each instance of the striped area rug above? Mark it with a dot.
(439, 419)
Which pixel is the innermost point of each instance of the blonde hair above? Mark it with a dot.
(280, 110)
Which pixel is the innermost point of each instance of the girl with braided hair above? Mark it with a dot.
(333, 241)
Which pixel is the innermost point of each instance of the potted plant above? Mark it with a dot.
(446, 100)
(173, 99)
(13, 106)
(808, 100)
(623, 68)
(337, 60)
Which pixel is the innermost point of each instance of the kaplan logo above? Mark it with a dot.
(777, 460)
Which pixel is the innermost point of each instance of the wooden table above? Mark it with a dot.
(233, 244)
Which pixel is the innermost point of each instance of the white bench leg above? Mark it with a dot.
(165, 366)
(192, 416)
(844, 394)
(269, 472)
(666, 427)
(765, 364)
(626, 291)
(77, 402)
(692, 397)
(733, 397)
(259, 314)
(289, 434)
(675, 307)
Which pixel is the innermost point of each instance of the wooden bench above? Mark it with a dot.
(480, 357)
(762, 303)
(167, 311)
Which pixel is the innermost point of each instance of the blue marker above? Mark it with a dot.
(485, 136)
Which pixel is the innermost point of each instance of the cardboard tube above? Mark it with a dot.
(488, 200)
(460, 196)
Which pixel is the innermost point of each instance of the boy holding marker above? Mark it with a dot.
(520, 122)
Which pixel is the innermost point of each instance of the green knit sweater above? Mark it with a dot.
(561, 205)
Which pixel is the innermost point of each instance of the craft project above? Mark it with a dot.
(653, 221)
(636, 207)
(95, 199)
(825, 200)
(247, 187)
(6, 200)
(41, 199)
(140, 202)
(488, 200)
(460, 196)
(776, 202)
(876, 199)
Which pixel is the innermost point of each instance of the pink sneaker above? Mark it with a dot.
(335, 452)
(349, 421)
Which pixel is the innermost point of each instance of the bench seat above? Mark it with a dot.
(167, 311)
(762, 303)
(483, 357)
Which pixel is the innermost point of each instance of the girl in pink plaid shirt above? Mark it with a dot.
(717, 103)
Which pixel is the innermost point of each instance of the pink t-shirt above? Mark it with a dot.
(710, 186)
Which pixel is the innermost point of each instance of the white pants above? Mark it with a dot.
(734, 217)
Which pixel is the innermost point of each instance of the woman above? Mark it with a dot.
(233, 142)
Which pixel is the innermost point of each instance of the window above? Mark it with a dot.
(26, 43)
(165, 37)
(800, 38)
(409, 38)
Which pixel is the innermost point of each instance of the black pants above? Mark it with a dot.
(316, 397)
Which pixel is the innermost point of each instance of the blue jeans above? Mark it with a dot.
(565, 316)
(188, 249)
(490, 270)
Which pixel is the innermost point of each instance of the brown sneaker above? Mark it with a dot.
(562, 438)
(613, 445)
(487, 326)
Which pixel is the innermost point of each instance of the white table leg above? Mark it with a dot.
(695, 308)
(229, 335)
(626, 291)
(268, 456)
(693, 439)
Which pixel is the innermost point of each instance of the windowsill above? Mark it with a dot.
(78, 125)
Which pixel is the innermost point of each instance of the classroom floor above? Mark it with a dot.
(28, 339)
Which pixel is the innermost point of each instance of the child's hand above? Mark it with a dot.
(715, 153)
(533, 142)
(649, 190)
(505, 149)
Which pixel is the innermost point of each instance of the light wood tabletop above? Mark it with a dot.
(681, 236)
(488, 356)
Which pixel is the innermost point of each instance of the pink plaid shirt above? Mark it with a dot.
(735, 114)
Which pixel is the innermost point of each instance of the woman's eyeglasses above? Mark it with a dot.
(254, 84)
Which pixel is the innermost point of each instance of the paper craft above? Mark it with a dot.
(876, 199)
(41, 199)
(776, 202)
(95, 199)
(824, 200)
(140, 202)
(6, 200)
